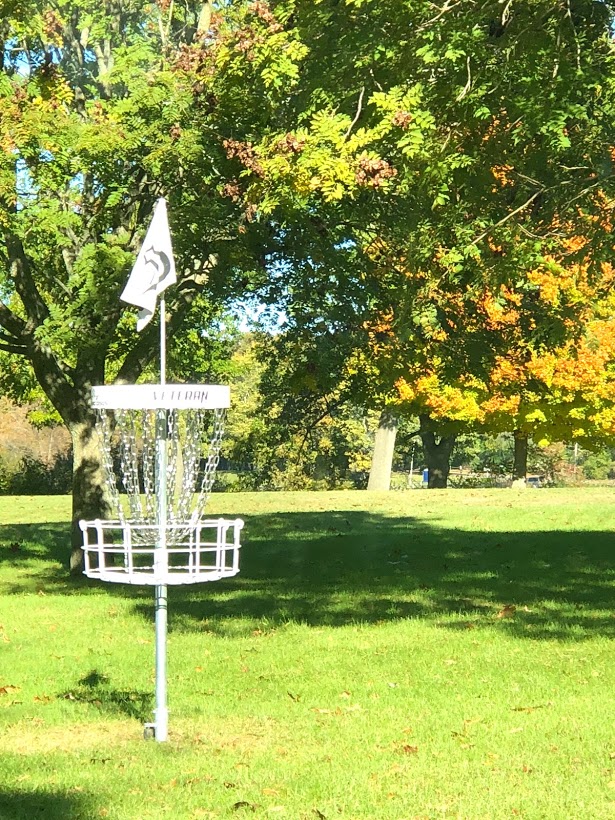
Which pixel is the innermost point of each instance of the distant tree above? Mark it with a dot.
(598, 466)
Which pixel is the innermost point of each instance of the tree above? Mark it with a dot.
(420, 175)
(382, 455)
(100, 114)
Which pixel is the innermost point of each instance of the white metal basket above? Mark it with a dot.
(124, 552)
(168, 439)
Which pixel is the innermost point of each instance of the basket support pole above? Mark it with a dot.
(161, 713)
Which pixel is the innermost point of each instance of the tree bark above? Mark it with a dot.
(438, 451)
(90, 491)
(520, 459)
(382, 456)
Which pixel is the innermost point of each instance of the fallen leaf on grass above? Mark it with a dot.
(507, 611)
(8, 689)
(295, 698)
(243, 804)
(409, 750)
(464, 740)
(43, 698)
(531, 708)
(319, 814)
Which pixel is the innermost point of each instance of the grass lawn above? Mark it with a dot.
(388, 656)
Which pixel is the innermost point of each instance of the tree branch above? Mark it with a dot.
(449, 5)
(465, 90)
(18, 350)
(20, 272)
(358, 113)
(12, 323)
(507, 217)
(54, 377)
(11, 340)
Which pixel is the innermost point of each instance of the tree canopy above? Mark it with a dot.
(439, 185)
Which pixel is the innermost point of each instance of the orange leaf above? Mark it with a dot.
(507, 611)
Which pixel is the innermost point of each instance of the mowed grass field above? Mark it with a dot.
(388, 656)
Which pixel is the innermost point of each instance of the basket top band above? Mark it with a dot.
(161, 396)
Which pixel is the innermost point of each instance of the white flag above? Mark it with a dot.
(154, 269)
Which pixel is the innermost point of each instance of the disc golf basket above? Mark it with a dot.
(161, 445)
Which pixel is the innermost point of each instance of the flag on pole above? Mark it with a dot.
(154, 269)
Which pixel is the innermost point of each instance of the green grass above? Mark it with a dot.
(366, 663)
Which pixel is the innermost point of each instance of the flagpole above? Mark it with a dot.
(152, 273)
(161, 613)
(163, 341)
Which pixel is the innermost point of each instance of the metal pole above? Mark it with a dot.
(163, 341)
(161, 712)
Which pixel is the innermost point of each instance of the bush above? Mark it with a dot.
(31, 476)
(598, 466)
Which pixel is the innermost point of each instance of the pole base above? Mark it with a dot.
(158, 731)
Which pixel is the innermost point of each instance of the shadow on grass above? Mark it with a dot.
(23, 542)
(40, 552)
(336, 568)
(95, 688)
(25, 805)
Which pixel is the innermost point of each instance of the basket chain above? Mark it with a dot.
(213, 458)
(104, 429)
(186, 459)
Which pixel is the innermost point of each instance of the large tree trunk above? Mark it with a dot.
(520, 459)
(438, 451)
(382, 456)
(90, 491)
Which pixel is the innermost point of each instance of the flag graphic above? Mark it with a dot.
(154, 269)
